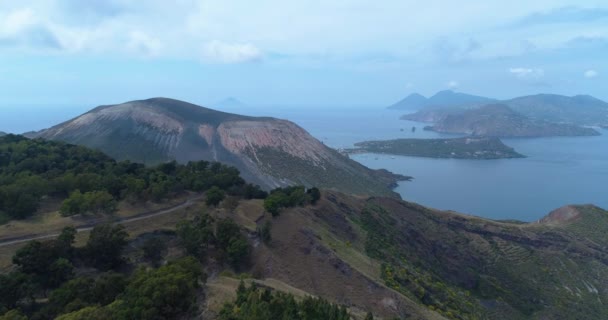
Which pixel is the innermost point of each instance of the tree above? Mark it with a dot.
(164, 293)
(238, 251)
(154, 249)
(227, 229)
(47, 262)
(232, 242)
(272, 204)
(65, 241)
(14, 287)
(105, 246)
(315, 194)
(74, 204)
(59, 271)
(253, 303)
(100, 202)
(215, 195)
(13, 315)
(369, 316)
(33, 258)
(195, 236)
(88, 313)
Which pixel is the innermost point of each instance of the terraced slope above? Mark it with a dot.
(458, 266)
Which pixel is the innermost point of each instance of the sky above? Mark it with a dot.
(56, 53)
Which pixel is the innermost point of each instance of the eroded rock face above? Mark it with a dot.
(136, 112)
(561, 215)
(246, 137)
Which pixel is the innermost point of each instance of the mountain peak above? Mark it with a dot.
(413, 101)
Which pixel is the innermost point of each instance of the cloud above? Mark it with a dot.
(567, 14)
(142, 43)
(22, 28)
(527, 73)
(222, 52)
(453, 84)
(589, 74)
(451, 51)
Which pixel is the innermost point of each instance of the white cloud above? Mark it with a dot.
(17, 21)
(340, 30)
(453, 84)
(221, 52)
(142, 43)
(591, 74)
(527, 73)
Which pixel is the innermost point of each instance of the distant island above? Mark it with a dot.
(442, 99)
(456, 148)
(230, 102)
(540, 115)
(495, 120)
(2, 133)
(579, 110)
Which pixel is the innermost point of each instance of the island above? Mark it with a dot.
(495, 120)
(476, 148)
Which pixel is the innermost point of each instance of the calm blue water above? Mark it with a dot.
(558, 171)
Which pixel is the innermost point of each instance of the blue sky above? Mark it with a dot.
(57, 53)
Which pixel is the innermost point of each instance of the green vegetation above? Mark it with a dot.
(94, 201)
(105, 246)
(199, 236)
(290, 197)
(253, 303)
(215, 195)
(42, 267)
(90, 182)
(457, 148)
(154, 249)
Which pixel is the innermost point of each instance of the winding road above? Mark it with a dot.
(90, 225)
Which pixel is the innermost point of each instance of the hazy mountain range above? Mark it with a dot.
(268, 151)
(441, 99)
(530, 116)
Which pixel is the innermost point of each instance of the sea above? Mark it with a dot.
(557, 171)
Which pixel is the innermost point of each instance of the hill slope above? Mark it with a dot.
(269, 152)
(581, 109)
(498, 120)
(461, 266)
